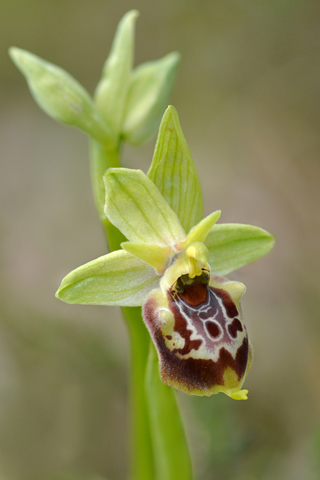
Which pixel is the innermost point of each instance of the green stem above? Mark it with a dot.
(172, 461)
(141, 442)
(140, 445)
(157, 434)
(103, 158)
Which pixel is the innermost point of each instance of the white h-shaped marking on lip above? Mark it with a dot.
(195, 336)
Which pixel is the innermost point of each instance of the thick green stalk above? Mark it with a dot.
(101, 159)
(158, 445)
(142, 467)
(172, 459)
(140, 444)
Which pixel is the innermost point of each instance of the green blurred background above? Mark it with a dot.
(248, 99)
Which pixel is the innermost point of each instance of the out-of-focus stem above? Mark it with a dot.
(141, 452)
(141, 436)
(158, 445)
(172, 459)
(102, 158)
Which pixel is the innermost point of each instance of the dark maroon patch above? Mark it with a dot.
(227, 301)
(169, 337)
(189, 372)
(194, 294)
(213, 329)
(199, 373)
(235, 327)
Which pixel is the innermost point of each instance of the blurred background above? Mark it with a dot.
(248, 97)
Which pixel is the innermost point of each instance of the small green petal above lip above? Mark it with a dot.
(136, 207)
(233, 245)
(155, 255)
(199, 232)
(173, 171)
(117, 278)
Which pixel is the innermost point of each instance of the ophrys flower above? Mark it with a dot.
(193, 316)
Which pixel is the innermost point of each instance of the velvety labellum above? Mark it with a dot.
(200, 336)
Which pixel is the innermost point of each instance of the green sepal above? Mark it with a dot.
(136, 207)
(173, 171)
(117, 278)
(149, 90)
(60, 95)
(233, 245)
(155, 255)
(111, 91)
(199, 232)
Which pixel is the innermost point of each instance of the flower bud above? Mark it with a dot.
(111, 91)
(149, 90)
(60, 95)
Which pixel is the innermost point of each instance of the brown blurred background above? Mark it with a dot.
(248, 99)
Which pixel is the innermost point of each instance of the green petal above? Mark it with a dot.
(199, 232)
(155, 255)
(135, 206)
(149, 90)
(173, 171)
(60, 95)
(111, 92)
(118, 278)
(233, 245)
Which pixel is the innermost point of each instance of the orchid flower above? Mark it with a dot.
(193, 313)
(173, 262)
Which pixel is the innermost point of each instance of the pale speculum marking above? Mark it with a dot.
(207, 318)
